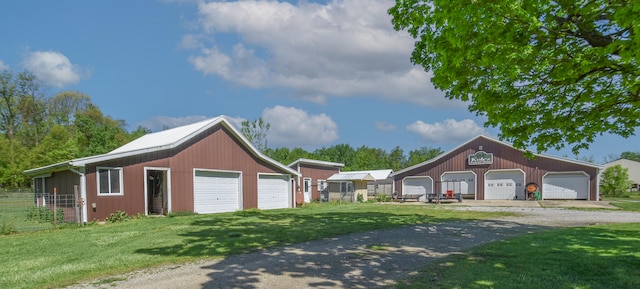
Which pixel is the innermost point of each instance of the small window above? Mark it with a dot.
(109, 181)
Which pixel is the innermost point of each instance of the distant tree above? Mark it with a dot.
(546, 73)
(634, 156)
(423, 154)
(367, 158)
(256, 132)
(64, 106)
(397, 159)
(98, 134)
(340, 153)
(614, 181)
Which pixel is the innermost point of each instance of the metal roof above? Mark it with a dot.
(316, 162)
(159, 141)
(349, 176)
(500, 142)
(376, 174)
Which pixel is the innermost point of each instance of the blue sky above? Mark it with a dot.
(320, 72)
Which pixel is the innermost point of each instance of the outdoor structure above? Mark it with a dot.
(484, 168)
(347, 186)
(205, 167)
(633, 168)
(312, 181)
(382, 183)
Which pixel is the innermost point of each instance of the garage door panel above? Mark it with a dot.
(216, 192)
(273, 192)
(416, 186)
(565, 186)
(504, 185)
(462, 182)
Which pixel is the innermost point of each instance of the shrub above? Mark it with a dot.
(118, 216)
(8, 229)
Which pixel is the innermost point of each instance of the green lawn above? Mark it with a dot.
(589, 257)
(60, 257)
(629, 201)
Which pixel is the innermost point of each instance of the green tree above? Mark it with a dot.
(367, 158)
(98, 134)
(634, 156)
(397, 159)
(256, 132)
(546, 73)
(614, 181)
(64, 106)
(422, 154)
(340, 153)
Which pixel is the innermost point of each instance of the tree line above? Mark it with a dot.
(38, 130)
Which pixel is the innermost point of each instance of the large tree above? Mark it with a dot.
(546, 73)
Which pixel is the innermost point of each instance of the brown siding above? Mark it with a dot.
(215, 149)
(504, 157)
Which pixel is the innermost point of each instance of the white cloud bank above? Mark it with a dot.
(448, 132)
(338, 49)
(293, 127)
(54, 68)
(3, 66)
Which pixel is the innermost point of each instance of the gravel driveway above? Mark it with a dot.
(360, 260)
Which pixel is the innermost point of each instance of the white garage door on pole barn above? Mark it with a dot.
(273, 191)
(504, 185)
(565, 186)
(216, 192)
(417, 185)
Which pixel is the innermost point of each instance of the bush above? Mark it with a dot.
(8, 229)
(383, 198)
(118, 216)
(360, 198)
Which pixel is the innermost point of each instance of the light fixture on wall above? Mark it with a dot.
(480, 148)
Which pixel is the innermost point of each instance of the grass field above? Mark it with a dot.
(588, 257)
(59, 257)
(629, 201)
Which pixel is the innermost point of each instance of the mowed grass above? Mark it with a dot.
(630, 201)
(605, 256)
(60, 257)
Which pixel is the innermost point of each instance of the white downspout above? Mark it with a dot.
(83, 193)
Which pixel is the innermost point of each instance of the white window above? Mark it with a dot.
(109, 181)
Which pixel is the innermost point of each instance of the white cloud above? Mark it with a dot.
(293, 127)
(3, 66)
(160, 123)
(448, 132)
(338, 49)
(52, 67)
(382, 126)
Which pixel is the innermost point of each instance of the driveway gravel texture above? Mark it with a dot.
(360, 260)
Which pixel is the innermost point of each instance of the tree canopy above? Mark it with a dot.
(36, 130)
(546, 73)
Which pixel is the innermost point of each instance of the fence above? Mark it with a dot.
(22, 211)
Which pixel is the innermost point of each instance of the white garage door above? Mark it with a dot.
(460, 182)
(417, 185)
(504, 185)
(273, 192)
(216, 192)
(566, 186)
